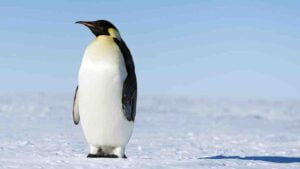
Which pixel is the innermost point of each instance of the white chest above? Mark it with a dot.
(101, 77)
(103, 55)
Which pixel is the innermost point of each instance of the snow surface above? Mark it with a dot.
(36, 131)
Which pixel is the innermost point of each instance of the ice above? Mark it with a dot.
(37, 131)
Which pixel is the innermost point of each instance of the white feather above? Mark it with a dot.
(101, 78)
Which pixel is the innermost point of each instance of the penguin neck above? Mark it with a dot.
(102, 48)
(102, 40)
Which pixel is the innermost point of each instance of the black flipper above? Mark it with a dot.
(129, 96)
(76, 116)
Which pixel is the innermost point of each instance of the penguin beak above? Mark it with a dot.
(86, 23)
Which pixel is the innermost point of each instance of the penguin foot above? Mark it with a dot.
(93, 156)
(102, 156)
(110, 156)
(124, 156)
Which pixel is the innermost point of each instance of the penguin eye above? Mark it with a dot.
(114, 33)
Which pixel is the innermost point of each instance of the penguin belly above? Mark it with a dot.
(101, 78)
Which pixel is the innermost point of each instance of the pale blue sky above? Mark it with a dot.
(207, 48)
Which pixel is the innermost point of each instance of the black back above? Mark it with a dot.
(129, 95)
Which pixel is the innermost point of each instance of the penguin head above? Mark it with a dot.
(102, 27)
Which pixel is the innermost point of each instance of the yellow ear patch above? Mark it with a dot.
(114, 33)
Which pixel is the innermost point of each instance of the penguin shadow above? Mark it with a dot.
(273, 159)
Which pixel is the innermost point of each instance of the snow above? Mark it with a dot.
(36, 131)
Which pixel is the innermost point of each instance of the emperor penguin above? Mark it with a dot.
(106, 95)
